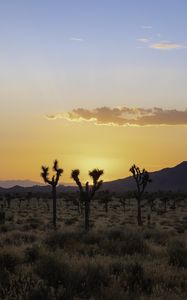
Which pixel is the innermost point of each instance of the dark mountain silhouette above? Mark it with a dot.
(168, 179)
(36, 189)
(24, 183)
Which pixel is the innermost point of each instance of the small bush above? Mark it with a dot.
(32, 254)
(116, 268)
(4, 279)
(9, 260)
(157, 236)
(53, 270)
(177, 252)
(136, 278)
(120, 242)
(41, 292)
(61, 239)
(88, 279)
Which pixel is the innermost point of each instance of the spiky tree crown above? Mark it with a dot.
(89, 191)
(55, 178)
(141, 177)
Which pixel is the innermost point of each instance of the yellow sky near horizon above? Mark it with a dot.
(36, 140)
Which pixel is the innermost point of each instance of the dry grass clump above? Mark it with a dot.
(9, 259)
(177, 252)
(18, 238)
(157, 236)
(81, 278)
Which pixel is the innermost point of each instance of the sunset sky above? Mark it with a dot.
(92, 83)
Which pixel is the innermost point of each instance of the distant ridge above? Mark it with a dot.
(7, 184)
(168, 179)
(23, 183)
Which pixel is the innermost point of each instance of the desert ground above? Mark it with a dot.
(116, 259)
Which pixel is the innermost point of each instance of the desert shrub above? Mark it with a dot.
(157, 236)
(71, 221)
(34, 225)
(136, 279)
(82, 278)
(9, 260)
(116, 268)
(115, 291)
(19, 286)
(88, 250)
(91, 238)
(120, 242)
(115, 234)
(19, 238)
(7, 227)
(53, 270)
(96, 276)
(89, 279)
(41, 292)
(32, 254)
(177, 252)
(133, 243)
(61, 239)
(4, 280)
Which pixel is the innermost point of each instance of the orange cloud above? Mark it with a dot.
(166, 46)
(122, 116)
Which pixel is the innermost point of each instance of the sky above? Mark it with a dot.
(94, 84)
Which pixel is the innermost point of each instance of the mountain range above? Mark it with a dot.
(168, 179)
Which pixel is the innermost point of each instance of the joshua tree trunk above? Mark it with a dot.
(54, 205)
(2, 215)
(124, 207)
(87, 215)
(139, 216)
(165, 205)
(106, 206)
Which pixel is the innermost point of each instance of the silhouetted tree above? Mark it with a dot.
(105, 198)
(53, 182)
(123, 202)
(87, 193)
(2, 215)
(151, 201)
(142, 179)
(164, 201)
(8, 200)
(28, 197)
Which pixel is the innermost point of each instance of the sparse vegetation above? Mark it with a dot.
(115, 260)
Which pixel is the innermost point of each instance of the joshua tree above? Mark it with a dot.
(2, 215)
(87, 193)
(142, 179)
(123, 202)
(164, 201)
(28, 197)
(53, 182)
(8, 199)
(105, 198)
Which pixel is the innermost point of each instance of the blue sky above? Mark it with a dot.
(88, 52)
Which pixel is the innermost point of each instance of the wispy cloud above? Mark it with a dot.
(122, 116)
(166, 45)
(146, 27)
(76, 39)
(143, 40)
